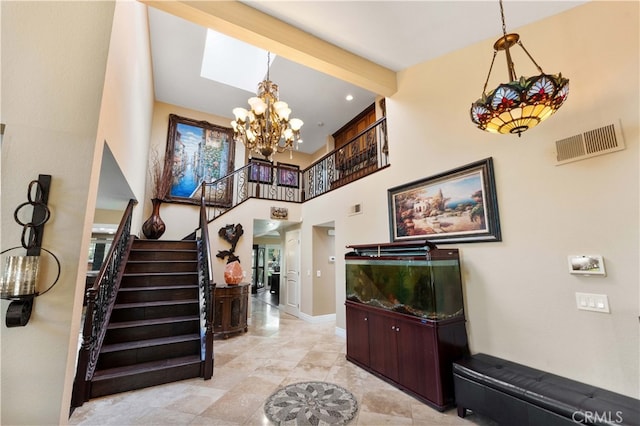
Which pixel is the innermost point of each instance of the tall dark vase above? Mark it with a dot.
(154, 227)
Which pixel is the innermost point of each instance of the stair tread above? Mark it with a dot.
(154, 303)
(137, 344)
(139, 241)
(158, 287)
(158, 274)
(154, 321)
(164, 261)
(110, 373)
(147, 249)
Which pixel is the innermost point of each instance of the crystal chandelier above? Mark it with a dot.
(266, 128)
(523, 103)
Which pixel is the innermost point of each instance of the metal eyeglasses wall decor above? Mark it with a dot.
(20, 273)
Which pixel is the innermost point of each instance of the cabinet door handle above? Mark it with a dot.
(397, 329)
(366, 319)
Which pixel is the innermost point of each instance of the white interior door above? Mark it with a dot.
(292, 275)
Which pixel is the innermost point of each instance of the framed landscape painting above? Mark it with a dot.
(455, 206)
(198, 151)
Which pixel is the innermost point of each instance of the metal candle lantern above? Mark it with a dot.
(18, 281)
(20, 276)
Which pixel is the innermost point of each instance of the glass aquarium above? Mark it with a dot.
(415, 279)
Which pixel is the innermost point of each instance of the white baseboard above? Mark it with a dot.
(341, 332)
(319, 319)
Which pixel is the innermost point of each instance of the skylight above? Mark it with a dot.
(233, 62)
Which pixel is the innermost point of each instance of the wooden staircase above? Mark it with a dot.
(153, 335)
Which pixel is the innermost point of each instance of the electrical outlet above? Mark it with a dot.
(593, 302)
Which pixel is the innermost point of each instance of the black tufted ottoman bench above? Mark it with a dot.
(514, 394)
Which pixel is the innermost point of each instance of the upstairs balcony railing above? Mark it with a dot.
(259, 179)
(366, 153)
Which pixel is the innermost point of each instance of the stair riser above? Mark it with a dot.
(153, 312)
(131, 334)
(142, 295)
(158, 280)
(164, 245)
(144, 267)
(150, 255)
(152, 353)
(152, 264)
(143, 380)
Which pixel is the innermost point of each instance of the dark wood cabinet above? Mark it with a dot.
(382, 335)
(357, 125)
(414, 354)
(274, 283)
(230, 315)
(358, 335)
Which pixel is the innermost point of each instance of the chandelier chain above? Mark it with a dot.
(268, 63)
(266, 128)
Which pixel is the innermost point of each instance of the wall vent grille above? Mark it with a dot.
(355, 209)
(592, 143)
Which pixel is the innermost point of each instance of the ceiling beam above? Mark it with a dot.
(244, 23)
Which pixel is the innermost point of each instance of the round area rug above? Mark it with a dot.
(311, 403)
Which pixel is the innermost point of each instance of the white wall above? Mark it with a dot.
(324, 285)
(128, 99)
(519, 297)
(68, 96)
(50, 103)
(180, 219)
(244, 215)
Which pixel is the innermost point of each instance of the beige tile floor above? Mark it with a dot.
(277, 350)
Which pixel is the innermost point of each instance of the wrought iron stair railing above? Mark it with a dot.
(207, 288)
(100, 299)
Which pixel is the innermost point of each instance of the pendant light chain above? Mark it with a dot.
(511, 68)
(504, 27)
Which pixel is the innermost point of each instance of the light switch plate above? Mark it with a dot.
(593, 302)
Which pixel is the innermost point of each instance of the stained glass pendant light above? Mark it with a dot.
(522, 103)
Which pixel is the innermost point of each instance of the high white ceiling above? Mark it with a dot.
(394, 34)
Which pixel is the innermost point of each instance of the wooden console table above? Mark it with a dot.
(230, 309)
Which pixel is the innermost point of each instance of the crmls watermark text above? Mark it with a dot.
(594, 417)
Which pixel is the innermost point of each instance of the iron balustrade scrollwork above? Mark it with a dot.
(243, 184)
(100, 299)
(366, 153)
